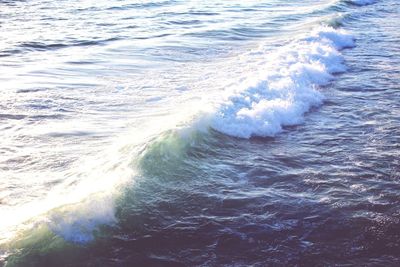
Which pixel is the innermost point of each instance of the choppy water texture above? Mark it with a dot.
(200, 133)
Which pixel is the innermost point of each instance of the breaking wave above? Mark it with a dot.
(289, 88)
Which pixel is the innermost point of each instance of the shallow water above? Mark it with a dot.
(177, 133)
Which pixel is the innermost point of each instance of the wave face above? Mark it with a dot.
(289, 89)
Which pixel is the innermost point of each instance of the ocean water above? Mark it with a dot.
(200, 133)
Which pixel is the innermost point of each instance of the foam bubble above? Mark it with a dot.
(288, 88)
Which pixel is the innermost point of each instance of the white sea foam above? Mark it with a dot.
(288, 89)
(78, 223)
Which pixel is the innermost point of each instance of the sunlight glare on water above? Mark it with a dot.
(199, 133)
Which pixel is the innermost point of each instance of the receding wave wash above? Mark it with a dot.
(200, 133)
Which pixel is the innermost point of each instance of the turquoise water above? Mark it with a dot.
(188, 133)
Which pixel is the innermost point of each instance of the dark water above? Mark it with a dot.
(321, 193)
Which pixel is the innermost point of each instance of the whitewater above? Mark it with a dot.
(170, 133)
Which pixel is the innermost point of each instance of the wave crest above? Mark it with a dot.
(289, 87)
